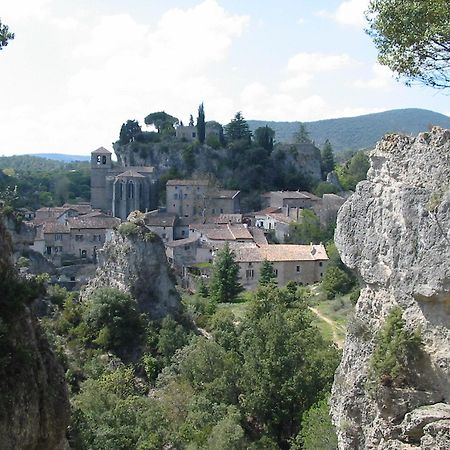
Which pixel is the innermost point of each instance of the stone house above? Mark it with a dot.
(189, 132)
(163, 224)
(197, 198)
(289, 199)
(304, 264)
(55, 237)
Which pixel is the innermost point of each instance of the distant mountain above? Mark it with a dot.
(62, 157)
(355, 133)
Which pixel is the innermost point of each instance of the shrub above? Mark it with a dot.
(150, 237)
(128, 229)
(395, 348)
(336, 281)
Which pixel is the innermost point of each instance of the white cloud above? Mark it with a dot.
(349, 12)
(14, 11)
(382, 78)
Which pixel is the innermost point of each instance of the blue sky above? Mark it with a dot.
(78, 69)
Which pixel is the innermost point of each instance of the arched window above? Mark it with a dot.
(103, 159)
(130, 189)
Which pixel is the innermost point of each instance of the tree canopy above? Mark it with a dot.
(238, 128)
(264, 137)
(5, 35)
(162, 121)
(302, 135)
(327, 158)
(201, 127)
(129, 131)
(413, 39)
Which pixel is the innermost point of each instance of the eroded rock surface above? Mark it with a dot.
(395, 232)
(136, 263)
(34, 405)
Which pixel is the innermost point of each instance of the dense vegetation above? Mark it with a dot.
(34, 182)
(142, 384)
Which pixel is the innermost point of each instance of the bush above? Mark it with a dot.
(336, 281)
(128, 229)
(395, 348)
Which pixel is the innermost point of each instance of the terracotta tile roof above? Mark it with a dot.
(311, 196)
(225, 218)
(130, 174)
(102, 222)
(82, 208)
(258, 235)
(268, 210)
(280, 217)
(55, 227)
(101, 150)
(281, 252)
(187, 183)
(290, 194)
(221, 232)
(159, 219)
(180, 242)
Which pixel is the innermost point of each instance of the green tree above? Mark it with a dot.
(264, 136)
(201, 127)
(327, 158)
(5, 35)
(287, 364)
(302, 135)
(267, 273)
(306, 230)
(353, 171)
(225, 286)
(129, 131)
(317, 431)
(172, 336)
(336, 281)
(238, 129)
(413, 38)
(162, 121)
(112, 320)
(191, 121)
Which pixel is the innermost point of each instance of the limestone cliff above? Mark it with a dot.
(34, 406)
(395, 232)
(134, 261)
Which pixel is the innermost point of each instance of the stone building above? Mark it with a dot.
(304, 264)
(197, 198)
(120, 190)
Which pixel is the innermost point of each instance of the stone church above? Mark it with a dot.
(118, 190)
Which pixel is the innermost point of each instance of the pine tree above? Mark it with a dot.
(191, 121)
(327, 157)
(225, 285)
(267, 273)
(302, 135)
(238, 129)
(201, 127)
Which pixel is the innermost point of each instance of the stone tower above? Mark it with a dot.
(101, 164)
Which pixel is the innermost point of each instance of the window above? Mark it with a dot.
(58, 237)
(221, 210)
(99, 159)
(103, 159)
(276, 272)
(182, 232)
(185, 195)
(83, 253)
(187, 247)
(249, 274)
(321, 274)
(94, 238)
(193, 134)
(60, 249)
(175, 196)
(78, 237)
(250, 264)
(298, 268)
(320, 264)
(164, 236)
(213, 211)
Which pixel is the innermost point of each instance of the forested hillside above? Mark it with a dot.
(361, 132)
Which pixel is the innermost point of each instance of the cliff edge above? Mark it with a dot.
(395, 233)
(34, 405)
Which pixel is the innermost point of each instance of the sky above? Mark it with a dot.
(78, 69)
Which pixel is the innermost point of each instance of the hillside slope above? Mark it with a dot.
(359, 132)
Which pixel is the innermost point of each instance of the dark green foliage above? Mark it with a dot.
(128, 229)
(171, 337)
(317, 432)
(396, 347)
(112, 320)
(238, 129)
(302, 136)
(191, 121)
(353, 171)
(162, 121)
(267, 273)
(413, 38)
(188, 157)
(308, 230)
(327, 158)
(325, 188)
(286, 362)
(128, 132)
(264, 137)
(336, 281)
(201, 127)
(5, 35)
(225, 286)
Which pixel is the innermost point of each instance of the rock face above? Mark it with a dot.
(136, 263)
(34, 405)
(395, 232)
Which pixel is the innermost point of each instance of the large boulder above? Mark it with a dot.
(395, 233)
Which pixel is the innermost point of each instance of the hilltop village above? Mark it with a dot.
(199, 217)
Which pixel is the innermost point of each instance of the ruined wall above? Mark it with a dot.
(394, 231)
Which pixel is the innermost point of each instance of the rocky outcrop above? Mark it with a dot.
(34, 405)
(395, 233)
(134, 261)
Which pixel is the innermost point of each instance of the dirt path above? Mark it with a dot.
(334, 327)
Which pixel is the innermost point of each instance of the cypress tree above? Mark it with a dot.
(201, 127)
